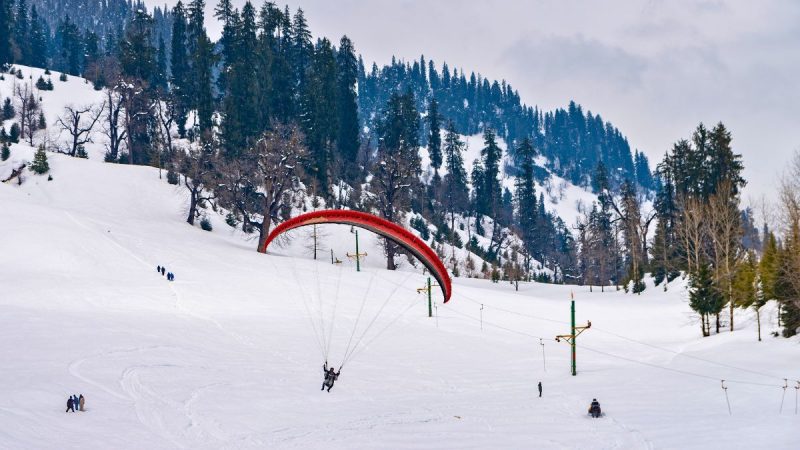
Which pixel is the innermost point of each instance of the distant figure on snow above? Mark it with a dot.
(594, 408)
(158, 269)
(70, 406)
(163, 271)
(81, 402)
(540, 389)
(330, 376)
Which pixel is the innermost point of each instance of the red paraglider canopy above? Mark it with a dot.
(383, 227)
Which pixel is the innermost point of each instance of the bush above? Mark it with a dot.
(418, 223)
(110, 158)
(8, 109)
(13, 134)
(81, 153)
(47, 71)
(205, 224)
(5, 152)
(62, 77)
(19, 74)
(230, 219)
(40, 165)
(172, 176)
(41, 84)
(50, 86)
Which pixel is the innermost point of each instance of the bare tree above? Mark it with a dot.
(113, 124)
(261, 182)
(790, 215)
(78, 122)
(28, 109)
(723, 226)
(692, 231)
(198, 166)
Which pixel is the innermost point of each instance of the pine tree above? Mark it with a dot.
(489, 202)
(527, 208)
(38, 40)
(347, 140)
(6, 31)
(21, 33)
(8, 109)
(768, 267)
(179, 64)
(319, 113)
(704, 296)
(40, 165)
(137, 56)
(202, 61)
(434, 136)
(5, 153)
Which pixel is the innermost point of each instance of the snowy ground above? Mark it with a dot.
(227, 356)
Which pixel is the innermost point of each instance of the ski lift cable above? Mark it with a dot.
(499, 326)
(671, 369)
(674, 352)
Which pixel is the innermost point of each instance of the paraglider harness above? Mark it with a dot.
(330, 376)
(594, 409)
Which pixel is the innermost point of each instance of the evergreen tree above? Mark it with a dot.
(397, 168)
(456, 190)
(347, 141)
(704, 297)
(40, 165)
(6, 31)
(8, 109)
(526, 194)
(202, 60)
(489, 203)
(39, 37)
(21, 34)
(180, 77)
(434, 136)
(319, 113)
(137, 56)
(768, 267)
(5, 153)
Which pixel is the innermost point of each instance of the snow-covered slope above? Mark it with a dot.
(227, 357)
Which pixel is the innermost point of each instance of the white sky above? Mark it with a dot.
(654, 68)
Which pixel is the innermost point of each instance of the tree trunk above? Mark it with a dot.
(263, 234)
(390, 251)
(717, 323)
(758, 321)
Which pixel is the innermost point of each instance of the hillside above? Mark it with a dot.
(226, 356)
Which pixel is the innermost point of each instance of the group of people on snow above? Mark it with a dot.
(163, 271)
(75, 403)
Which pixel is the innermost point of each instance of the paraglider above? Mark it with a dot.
(379, 226)
(322, 327)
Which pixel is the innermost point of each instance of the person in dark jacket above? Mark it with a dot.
(594, 408)
(330, 377)
(70, 406)
(540, 389)
(163, 271)
(158, 269)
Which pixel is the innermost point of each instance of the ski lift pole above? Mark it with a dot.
(570, 338)
(544, 363)
(725, 389)
(428, 289)
(481, 316)
(796, 390)
(783, 397)
(357, 256)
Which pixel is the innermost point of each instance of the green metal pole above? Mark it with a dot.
(358, 257)
(572, 311)
(430, 304)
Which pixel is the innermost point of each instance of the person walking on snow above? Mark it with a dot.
(81, 402)
(70, 406)
(540, 389)
(594, 408)
(158, 269)
(330, 376)
(163, 271)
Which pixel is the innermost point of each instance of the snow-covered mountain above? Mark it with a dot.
(229, 354)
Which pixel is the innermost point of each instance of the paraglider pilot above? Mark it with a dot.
(330, 376)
